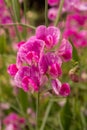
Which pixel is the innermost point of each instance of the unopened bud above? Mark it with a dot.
(73, 74)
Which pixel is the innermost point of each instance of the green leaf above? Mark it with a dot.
(23, 98)
(75, 53)
(66, 116)
(2, 44)
(16, 9)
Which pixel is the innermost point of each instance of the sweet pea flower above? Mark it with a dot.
(52, 13)
(81, 6)
(14, 122)
(60, 89)
(50, 63)
(53, 2)
(56, 85)
(12, 69)
(28, 78)
(30, 52)
(65, 50)
(50, 35)
(65, 89)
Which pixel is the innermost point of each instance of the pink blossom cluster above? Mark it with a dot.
(68, 6)
(4, 13)
(75, 29)
(6, 18)
(14, 122)
(39, 61)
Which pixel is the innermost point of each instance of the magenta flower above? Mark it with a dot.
(30, 52)
(28, 78)
(12, 69)
(60, 89)
(64, 90)
(50, 63)
(53, 2)
(81, 6)
(50, 35)
(52, 13)
(65, 50)
(14, 122)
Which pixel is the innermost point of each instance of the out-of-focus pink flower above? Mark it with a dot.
(52, 13)
(20, 43)
(50, 63)
(69, 4)
(81, 6)
(30, 52)
(53, 2)
(50, 35)
(65, 50)
(14, 122)
(78, 38)
(64, 90)
(12, 69)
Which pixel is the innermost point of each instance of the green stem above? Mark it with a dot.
(12, 24)
(25, 10)
(46, 115)
(37, 111)
(15, 19)
(11, 13)
(46, 12)
(59, 12)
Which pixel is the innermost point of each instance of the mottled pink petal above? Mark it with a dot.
(12, 69)
(65, 50)
(49, 35)
(53, 2)
(55, 70)
(65, 89)
(52, 13)
(56, 85)
(33, 47)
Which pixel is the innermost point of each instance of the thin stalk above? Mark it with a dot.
(37, 111)
(46, 115)
(59, 12)
(15, 19)
(11, 13)
(21, 24)
(46, 12)
(25, 10)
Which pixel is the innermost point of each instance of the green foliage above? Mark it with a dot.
(66, 116)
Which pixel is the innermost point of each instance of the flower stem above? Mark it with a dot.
(37, 111)
(46, 115)
(25, 10)
(59, 12)
(46, 12)
(12, 24)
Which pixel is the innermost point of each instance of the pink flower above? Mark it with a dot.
(12, 69)
(69, 4)
(50, 63)
(30, 52)
(64, 90)
(53, 2)
(13, 122)
(28, 78)
(50, 35)
(81, 6)
(65, 50)
(60, 89)
(56, 85)
(52, 13)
